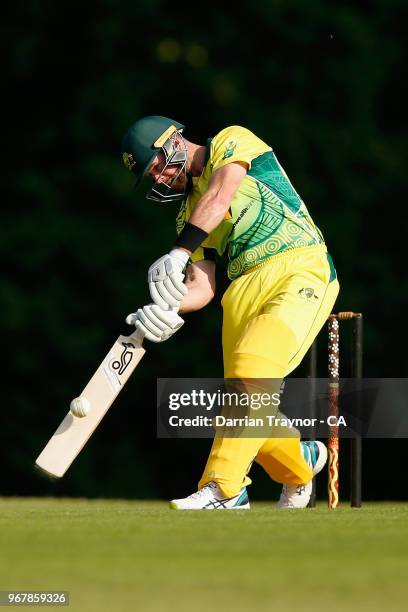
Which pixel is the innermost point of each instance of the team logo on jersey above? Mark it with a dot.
(229, 150)
(308, 293)
(128, 160)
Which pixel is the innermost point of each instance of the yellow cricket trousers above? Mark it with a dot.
(271, 315)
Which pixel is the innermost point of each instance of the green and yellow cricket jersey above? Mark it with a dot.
(266, 215)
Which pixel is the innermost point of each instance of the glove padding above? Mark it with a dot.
(165, 277)
(156, 324)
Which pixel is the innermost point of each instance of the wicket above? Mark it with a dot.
(333, 406)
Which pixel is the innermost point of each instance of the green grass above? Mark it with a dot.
(131, 555)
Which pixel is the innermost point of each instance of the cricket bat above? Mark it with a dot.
(101, 391)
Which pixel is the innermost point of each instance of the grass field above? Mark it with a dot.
(132, 555)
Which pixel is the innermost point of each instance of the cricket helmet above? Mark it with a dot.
(143, 141)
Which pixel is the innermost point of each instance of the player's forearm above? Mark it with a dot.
(195, 300)
(213, 205)
(209, 211)
(200, 282)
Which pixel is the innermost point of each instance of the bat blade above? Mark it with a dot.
(104, 386)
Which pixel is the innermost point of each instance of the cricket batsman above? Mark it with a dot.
(237, 200)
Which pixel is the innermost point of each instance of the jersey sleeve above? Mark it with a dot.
(235, 144)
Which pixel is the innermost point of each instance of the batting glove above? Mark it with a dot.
(166, 277)
(156, 324)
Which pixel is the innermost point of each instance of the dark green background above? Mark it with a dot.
(321, 82)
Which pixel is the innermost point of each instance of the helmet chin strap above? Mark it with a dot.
(167, 192)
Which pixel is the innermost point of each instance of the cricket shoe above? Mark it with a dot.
(210, 497)
(297, 496)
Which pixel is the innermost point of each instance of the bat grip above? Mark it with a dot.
(137, 336)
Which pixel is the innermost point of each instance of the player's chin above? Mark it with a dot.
(179, 184)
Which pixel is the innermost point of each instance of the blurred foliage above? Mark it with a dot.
(319, 82)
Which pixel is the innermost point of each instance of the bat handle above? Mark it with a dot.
(137, 336)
